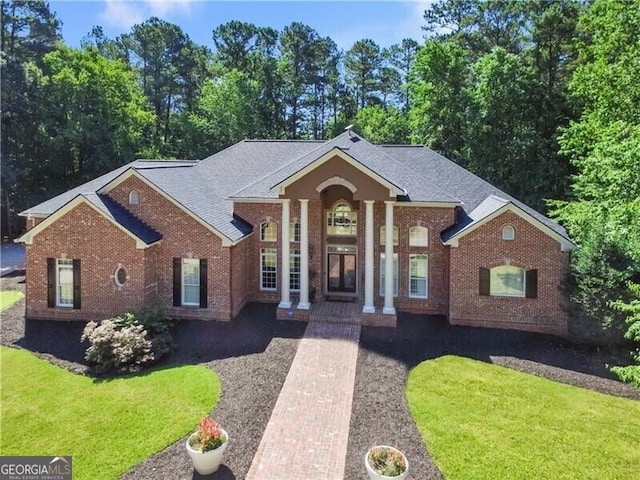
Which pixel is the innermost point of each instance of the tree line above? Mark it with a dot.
(536, 97)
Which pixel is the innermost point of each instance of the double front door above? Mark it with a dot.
(341, 269)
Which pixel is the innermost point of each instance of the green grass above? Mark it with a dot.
(8, 298)
(482, 421)
(107, 426)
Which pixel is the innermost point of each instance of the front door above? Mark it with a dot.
(341, 272)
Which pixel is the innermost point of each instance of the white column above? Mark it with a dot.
(285, 298)
(303, 304)
(368, 259)
(388, 264)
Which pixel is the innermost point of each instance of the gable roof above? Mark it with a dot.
(261, 169)
(490, 208)
(372, 160)
(144, 235)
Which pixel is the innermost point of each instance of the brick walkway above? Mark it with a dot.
(306, 437)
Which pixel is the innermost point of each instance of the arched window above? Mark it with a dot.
(418, 236)
(134, 197)
(269, 231)
(508, 233)
(341, 220)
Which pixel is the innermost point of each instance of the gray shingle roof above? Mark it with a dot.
(122, 216)
(252, 168)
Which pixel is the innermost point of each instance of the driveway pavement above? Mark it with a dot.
(11, 258)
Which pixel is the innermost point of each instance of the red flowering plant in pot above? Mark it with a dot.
(206, 446)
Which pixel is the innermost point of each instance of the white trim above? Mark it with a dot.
(183, 302)
(273, 253)
(27, 238)
(369, 306)
(427, 204)
(68, 265)
(565, 244)
(388, 308)
(285, 279)
(412, 256)
(304, 304)
(254, 200)
(280, 187)
(226, 241)
(336, 181)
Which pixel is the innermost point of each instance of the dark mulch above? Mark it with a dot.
(252, 356)
(380, 412)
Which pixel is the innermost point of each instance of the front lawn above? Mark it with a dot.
(107, 426)
(8, 298)
(482, 421)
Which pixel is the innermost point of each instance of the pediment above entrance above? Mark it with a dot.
(338, 169)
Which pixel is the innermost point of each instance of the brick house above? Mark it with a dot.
(394, 228)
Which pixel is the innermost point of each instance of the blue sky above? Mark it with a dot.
(385, 22)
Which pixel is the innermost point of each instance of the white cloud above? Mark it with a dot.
(415, 20)
(162, 8)
(123, 14)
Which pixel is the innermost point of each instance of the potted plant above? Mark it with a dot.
(386, 462)
(206, 446)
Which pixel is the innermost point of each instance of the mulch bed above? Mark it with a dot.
(252, 356)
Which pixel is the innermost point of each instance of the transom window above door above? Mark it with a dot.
(341, 220)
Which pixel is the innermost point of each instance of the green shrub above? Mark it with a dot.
(114, 347)
(129, 341)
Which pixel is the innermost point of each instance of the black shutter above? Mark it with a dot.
(177, 282)
(76, 284)
(51, 282)
(531, 284)
(485, 281)
(203, 283)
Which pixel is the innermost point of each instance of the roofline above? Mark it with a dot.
(255, 200)
(566, 245)
(394, 190)
(411, 203)
(226, 241)
(27, 237)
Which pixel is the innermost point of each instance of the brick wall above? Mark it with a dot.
(436, 220)
(84, 234)
(182, 237)
(531, 249)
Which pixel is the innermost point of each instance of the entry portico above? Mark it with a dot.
(342, 185)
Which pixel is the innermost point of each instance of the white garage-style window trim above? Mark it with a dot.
(395, 274)
(190, 282)
(508, 233)
(418, 236)
(509, 281)
(134, 197)
(418, 276)
(268, 269)
(269, 232)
